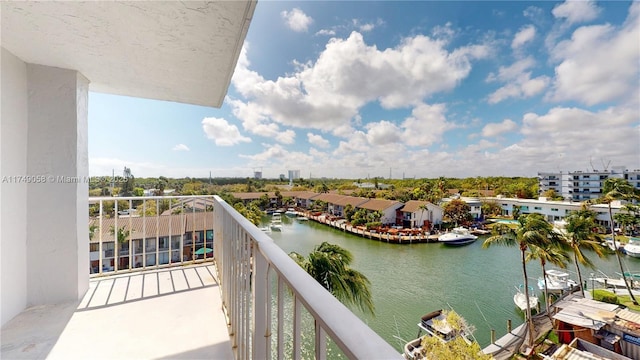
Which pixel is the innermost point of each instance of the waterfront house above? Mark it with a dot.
(416, 213)
(388, 208)
(606, 325)
(475, 205)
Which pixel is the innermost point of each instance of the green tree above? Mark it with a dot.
(491, 208)
(548, 253)
(329, 265)
(532, 230)
(628, 219)
(457, 211)
(434, 348)
(349, 211)
(121, 235)
(92, 231)
(422, 209)
(579, 235)
(618, 189)
(128, 184)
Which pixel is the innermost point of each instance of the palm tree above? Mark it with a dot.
(422, 209)
(618, 189)
(329, 265)
(548, 253)
(579, 235)
(532, 230)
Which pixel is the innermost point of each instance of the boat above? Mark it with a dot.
(276, 222)
(557, 281)
(457, 237)
(633, 248)
(520, 299)
(266, 229)
(434, 324)
(302, 218)
(609, 243)
(291, 212)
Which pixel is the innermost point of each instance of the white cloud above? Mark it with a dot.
(297, 20)
(181, 147)
(518, 81)
(576, 11)
(494, 129)
(426, 125)
(275, 156)
(317, 140)
(367, 26)
(349, 73)
(525, 35)
(382, 133)
(326, 32)
(599, 63)
(223, 133)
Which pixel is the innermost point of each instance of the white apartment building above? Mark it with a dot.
(552, 210)
(584, 185)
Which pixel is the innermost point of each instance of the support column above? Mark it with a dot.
(57, 209)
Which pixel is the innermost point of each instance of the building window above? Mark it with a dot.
(537, 208)
(554, 209)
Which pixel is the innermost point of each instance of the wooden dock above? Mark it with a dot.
(388, 237)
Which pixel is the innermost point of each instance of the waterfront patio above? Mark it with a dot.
(170, 313)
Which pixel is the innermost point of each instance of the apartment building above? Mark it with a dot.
(584, 185)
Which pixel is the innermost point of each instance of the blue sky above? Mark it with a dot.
(412, 89)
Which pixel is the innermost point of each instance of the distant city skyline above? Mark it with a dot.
(414, 89)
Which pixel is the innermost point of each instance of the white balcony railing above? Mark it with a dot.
(158, 231)
(258, 281)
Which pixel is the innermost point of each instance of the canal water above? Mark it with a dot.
(408, 281)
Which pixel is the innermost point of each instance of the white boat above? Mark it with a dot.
(457, 237)
(276, 222)
(266, 229)
(291, 212)
(557, 281)
(520, 299)
(302, 218)
(434, 324)
(633, 248)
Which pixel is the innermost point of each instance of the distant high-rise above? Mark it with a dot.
(584, 185)
(257, 174)
(293, 174)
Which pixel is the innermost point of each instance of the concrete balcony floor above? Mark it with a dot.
(172, 313)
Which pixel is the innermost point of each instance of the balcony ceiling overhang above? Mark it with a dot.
(183, 51)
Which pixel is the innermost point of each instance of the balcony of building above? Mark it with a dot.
(170, 313)
(64, 293)
(226, 292)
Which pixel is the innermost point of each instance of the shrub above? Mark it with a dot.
(605, 296)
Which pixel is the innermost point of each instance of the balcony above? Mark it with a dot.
(245, 300)
(153, 314)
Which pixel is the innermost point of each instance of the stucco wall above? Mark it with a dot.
(13, 195)
(57, 237)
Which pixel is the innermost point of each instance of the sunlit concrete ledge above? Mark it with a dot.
(172, 313)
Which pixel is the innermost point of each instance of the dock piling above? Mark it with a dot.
(493, 336)
(508, 325)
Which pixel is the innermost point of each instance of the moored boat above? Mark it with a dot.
(557, 281)
(520, 299)
(434, 324)
(276, 222)
(633, 248)
(457, 237)
(291, 212)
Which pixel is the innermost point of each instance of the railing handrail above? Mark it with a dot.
(350, 333)
(153, 197)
